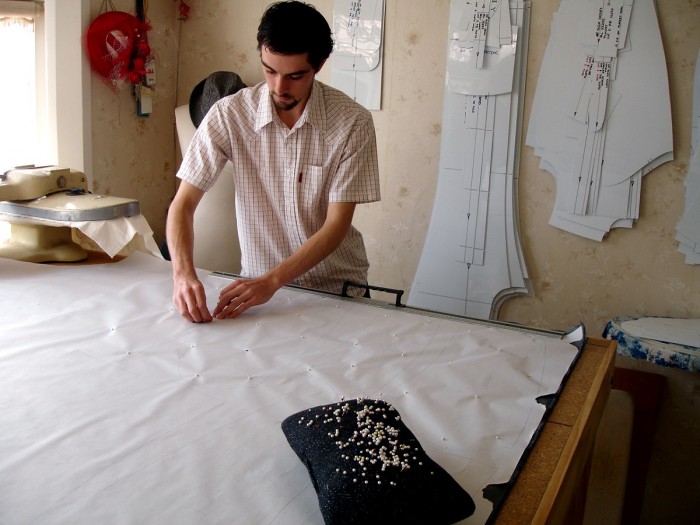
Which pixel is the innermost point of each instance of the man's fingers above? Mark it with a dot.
(232, 308)
(193, 306)
(200, 313)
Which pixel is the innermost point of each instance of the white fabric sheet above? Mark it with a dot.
(114, 409)
(119, 236)
(667, 330)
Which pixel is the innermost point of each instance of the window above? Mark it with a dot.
(61, 74)
(18, 89)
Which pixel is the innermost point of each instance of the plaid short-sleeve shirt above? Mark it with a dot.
(286, 178)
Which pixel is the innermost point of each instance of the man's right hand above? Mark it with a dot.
(190, 300)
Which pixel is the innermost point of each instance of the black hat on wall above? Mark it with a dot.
(218, 85)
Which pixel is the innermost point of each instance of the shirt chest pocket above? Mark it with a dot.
(311, 184)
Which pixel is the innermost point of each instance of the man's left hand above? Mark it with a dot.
(240, 295)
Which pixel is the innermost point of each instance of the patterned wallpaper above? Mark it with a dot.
(632, 272)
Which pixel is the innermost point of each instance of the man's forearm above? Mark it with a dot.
(180, 245)
(317, 247)
(179, 232)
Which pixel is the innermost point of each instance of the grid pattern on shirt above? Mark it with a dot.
(285, 179)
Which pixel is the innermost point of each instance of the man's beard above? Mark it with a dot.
(284, 106)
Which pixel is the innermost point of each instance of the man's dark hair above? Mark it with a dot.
(295, 28)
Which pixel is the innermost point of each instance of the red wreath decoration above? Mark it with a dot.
(117, 46)
(184, 10)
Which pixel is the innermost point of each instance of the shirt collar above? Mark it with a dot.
(314, 112)
(263, 116)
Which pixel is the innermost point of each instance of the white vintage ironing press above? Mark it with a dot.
(33, 199)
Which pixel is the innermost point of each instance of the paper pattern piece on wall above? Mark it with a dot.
(472, 258)
(601, 116)
(688, 228)
(356, 61)
(122, 411)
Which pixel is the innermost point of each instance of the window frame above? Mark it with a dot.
(66, 125)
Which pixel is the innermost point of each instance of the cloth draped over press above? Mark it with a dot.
(47, 214)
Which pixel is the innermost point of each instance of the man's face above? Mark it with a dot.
(289, 79)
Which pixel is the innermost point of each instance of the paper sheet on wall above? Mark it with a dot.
(688, 228)
(472, 258)
(356, 62)
(601, 116)
(115, 409)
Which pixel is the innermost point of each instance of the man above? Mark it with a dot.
(304, 154)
